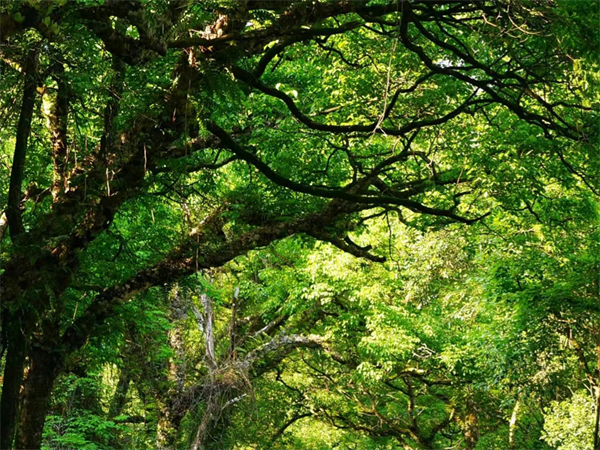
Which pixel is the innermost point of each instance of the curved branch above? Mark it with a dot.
(488, 69)
(575, 172)
(288, 424)
(198, 167)
(181, 262)
(483, 85)
(373, 127)
(347, 245)
(334, 193)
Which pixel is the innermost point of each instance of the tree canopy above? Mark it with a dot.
(300, 224)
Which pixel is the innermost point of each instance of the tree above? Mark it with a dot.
(184, 135)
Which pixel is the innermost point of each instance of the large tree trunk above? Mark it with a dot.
(13, 377)
(45, 367)
(471, 424)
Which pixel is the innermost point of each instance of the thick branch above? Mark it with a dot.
(182, 262)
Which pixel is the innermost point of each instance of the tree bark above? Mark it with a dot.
(513, 424)
(597, 421)
(178, 314)
(45, 367)
(3, 225)
(209, 331)
(57, 118)
(471, 426)
(13, 377)
(13, 210)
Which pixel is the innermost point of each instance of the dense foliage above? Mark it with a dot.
(300, 224)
